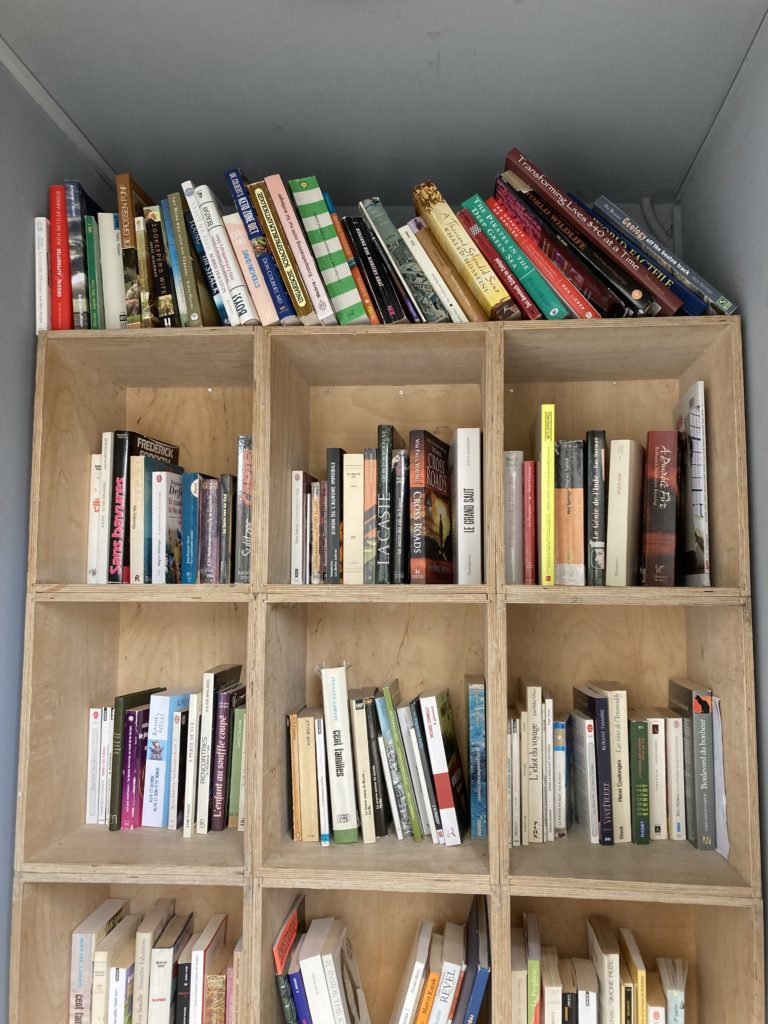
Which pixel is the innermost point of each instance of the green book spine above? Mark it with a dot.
(534, 991)
(123, 703)
(93, 264)
(236, 764)
(639, 781)
(186, 259)
(286, 999)
(525, 272)
(402, 763)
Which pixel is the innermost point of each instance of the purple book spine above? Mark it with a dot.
(142, 728)
(220, 759)
(130, 750)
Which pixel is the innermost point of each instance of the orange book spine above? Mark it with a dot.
(427, 998)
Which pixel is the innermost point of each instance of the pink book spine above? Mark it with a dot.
(289, 221)
(229, 1005)
(252, 274)
(130, 748)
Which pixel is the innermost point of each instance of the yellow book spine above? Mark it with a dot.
(453, 238)
(427, 998)
(280, 249)
(547, 496)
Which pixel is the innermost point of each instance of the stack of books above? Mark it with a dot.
(284, 256)
(368, 758)
(609, 984)
(151, 522)
(621, 774)
(406, 514)
(578, 512)
(170, 759)
(155, 969)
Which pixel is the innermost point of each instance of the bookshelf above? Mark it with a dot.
(298, 391)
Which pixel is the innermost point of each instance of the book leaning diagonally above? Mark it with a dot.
(213, 680)
(222, 247)
(198, 217)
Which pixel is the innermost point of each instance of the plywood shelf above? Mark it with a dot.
(277, 593)
(225, 593)
(694, 597)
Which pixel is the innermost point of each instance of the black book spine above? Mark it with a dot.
(570, 1007)
(243, 514)
(400, 540)
(384, 505)
(335, 514)
(183, 990)
(118, 564)
(377, 779)
(226, 507)
(597, 709)
(418, 726)
(289, 776)
(162, 284)
(595, 508)
(374, 271)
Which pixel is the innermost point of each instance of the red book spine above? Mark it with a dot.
(555, 278)
(657, 564)
(528, 308)
(573, 213)
(529, 521)
(62, 316)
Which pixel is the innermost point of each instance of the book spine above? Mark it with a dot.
(129, 768)
(418, 480)
(440, 773)
(190, 527)
(105, 767)
(534, 767)
(396, 780)
(478, 789)
(62, 317)
(209, 248)
(236, 766)
(469, 305)
(211, 283)
(392, 799)
(560, 777)
(316, 576)
(466, 490)
(186, 283)
(675, 778)
(638, 769)
(529, 521)
(657, 778)
(513, 518)
(240, 193)
(528, 309)
(299, 995)
(596, 509)
(231, 278)
(431, 273)
(183, 982)
(580, 220)
(358, 718)
(667, 259)
(384, 505)
(488, 216)
(513, 779)
(349, 255)
(105, 507)
(298, 525)
(378, 787)
(323, 810)
(694, 557)
(335, 515)
(174, 264)
(339, 749)
(154, 811)
(369, 515)
(400, 535)
(191, 769)
(118, 569)
(569, 513)
(42, 274)
(146, 289)
(162, 286)
(545, 493)
(244, 509)
(419, 778)
(286, 999)
(210, 508)
(111, 261)
(702, 770)
(597, 709)
(250, 269)
(93, 266)
(179, 726)
(226, 521)
(220, 761)
(76, 235)
(94, 502)
(659, 539)
(307, 770)
(426, 771)
(382, 292)
(92, 772)
(354, 510)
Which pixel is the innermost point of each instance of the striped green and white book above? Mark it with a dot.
(326, 248)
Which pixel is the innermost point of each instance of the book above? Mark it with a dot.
(693, 548)
(349, 255)
(316, 560)
(293, 777)
(657, 770)
(532, 767)
(313, 973)
(478, 959)
(630, 951)
(157, 781)
(235, 808)
(141, 469)
(530, 526)
(387, 759)
(226, 699)
(430, 521)
(218, 969)
(301, 484)
(581, 741)
(595, 704)
(120, 1001)
(190, 527)
(354, 512)
(675, 771)
(105, 763)
(513, 778)
(416, 966)
(136, 728)
(638, 775)
(561, 780)
(174, 266)
(625, 488)
(335, 515)
(660, 501)
(388, 440)
(149, 317)
(343, 977)
(166, 527)
(605, 956)
(404, 805)
(113, 944)
(400, 507)
(444, 757)
(123, 703)
(547, 765)
(85, 937)
(374, 268)
(42, 274)
(477, 757)
(298, 991)
(358, 713)
(212, 938)
(160, 274)
(543, 443)
(513, 517)
(370, 467)
(207, 284)
(415, 769)
(94, 507)
(620, 774)
(595, 505)
(673, 974)
(178, 765)
(94, 752)
(209, 555)
(656, 1000)
(191, 763)
(451, 972)
(586, 980)
(323, 798)
(465, 472)
(93, 268)
(307, 771)
(339, 751)
(198, 300)
(431, 981)
(551, 987)
(163, 968)
(62, 316)
(214, 679)
(378, 785)
(569, 513)
(533, 959)
(694, 704)
(424, 770)
(570, 991)
(243, 512)
(184, 981)
(518, 977)
(250, 270)
(131, 200)
(78, 205)
(432, 275)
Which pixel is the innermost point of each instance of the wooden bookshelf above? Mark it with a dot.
(298, 391)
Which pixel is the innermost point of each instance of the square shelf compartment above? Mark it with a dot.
(84, 655)
(193, 389)
(626, 379)
(381, 925)
(421, 645)
(333, 388)
(641, 648)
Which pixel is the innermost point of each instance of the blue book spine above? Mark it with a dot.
(190, 527)
(213, 288)
(394, 769)
(300, 998)
(239, 190)
(597, 709)
(173, 260)
(476, 998)
(478, 788)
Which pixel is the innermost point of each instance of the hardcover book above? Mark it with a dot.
(467, 504)
(430, 520)
(79, 203)
(388, 440)
(62, 316)
(431, 273)
(595, 506)
(659, 538)
(569, 513)
(470, 307)
(131, 200)
(528, 309)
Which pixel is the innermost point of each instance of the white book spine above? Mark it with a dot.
(230, 269)
(675, 778)
(435, 746)
(430, 271)
(405, 721)
(42, 274)
(159, 525)
(339, 749)
(305, 262)
(657, 777)
(308, 538)
(548, 764)
(338, 1004)
(190, 194)
(607, 969)
(161, 972)
(190, 778)
(467, 500)
(362, 768)
(100, 987)
(618, 730)
(156, 768)
(523, 778)
(105, 763)
(587, 1007)
(446, 987)
(119, 978)
(176, 755)
(206, 751)
(196, 986)
(422, 786)
(94, 505)
(136, 499)
(94, 759)
(322, 784)
(513, 517)
(316, 989)
(354, 510)
(112, 280)
(625, 488)
(298, 525)
(515, 769)
(390, 791)
(535, 754)
(105, 502)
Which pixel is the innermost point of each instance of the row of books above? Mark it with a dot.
(156, 969)
(367, 759)
(610, 985)
(170, 759)
(151, 522)
(284, 256)
(392, 514)
(622, 774)
(576, 515)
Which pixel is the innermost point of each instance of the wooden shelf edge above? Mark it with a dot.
(286, 593)
(150, 874)
(640, 892)
(377, 881)
(201, 593)
(645, 596)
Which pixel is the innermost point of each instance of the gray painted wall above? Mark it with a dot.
(725, 227)
(33, 154)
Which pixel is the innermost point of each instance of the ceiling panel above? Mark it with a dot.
(606, 95)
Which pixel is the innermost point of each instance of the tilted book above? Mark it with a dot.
(528, 309)
(605, 956)
(229, 269)
(470, 307)
(375, 271)
(406, 1001)
(431, 273)
(250, 270)
(217, 273)
(85, 938)
(349, 255)
(162, 282)
(581, 739)
(404, 806)
(445, 759)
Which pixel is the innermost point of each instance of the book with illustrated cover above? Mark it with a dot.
(389, 440)
(135, 730)
(93, 268)
(660, 511)
(174, 264)
(131, 200)
(693, 550)
(468, 304)
(397, 772)
(157, 780)
(146, 286)
(162, 280)
(445, 759)
(221, 255)
(79, 203)
(569, 513)
(528, 309)
(198, 300)
(430, 520)
(431, 273)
